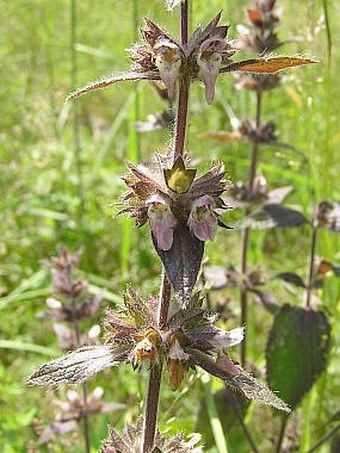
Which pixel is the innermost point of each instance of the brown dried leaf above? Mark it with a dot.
(255, 17)
(267, 65)
(223, 137)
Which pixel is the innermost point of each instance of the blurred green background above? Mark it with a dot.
(60, 168)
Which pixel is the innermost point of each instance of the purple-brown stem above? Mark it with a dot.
(151, 409)
(152, 400)
(182, 106)
(246, 232)
(181, 118)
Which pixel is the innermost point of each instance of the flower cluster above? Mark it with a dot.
(207, 54)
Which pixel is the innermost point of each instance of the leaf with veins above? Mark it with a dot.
(77, 366)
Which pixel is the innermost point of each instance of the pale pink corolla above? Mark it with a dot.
(202, 220)
(209, 62)
(162, 221)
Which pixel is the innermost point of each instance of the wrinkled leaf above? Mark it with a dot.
(297, 351)
(182, 262)
(225, 401)
(242, 382)
(267, 65)
(290, 277)
(77, 366)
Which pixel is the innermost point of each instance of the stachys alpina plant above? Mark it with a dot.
(172, 332)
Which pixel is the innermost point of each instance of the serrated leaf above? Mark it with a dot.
(77, 366)
(267, 65)
(182, 262)
(296, 352)
(225, 401)
(242, 382)
(291, 278)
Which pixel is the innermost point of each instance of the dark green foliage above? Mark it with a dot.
(296, 352)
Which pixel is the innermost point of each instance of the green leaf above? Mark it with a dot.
(297, 351)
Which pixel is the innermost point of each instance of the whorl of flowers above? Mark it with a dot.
(207, 54)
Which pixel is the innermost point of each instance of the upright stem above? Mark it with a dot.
(246, 232)
(181, 118)
(152, 400)
(151, 409)
(182, 106)
(311, 264)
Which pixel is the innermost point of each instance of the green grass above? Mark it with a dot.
(61, 164)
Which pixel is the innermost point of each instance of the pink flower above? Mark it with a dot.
(162, 221)
(202, 219)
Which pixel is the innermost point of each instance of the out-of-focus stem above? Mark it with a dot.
(246, 431)
(281, 435)
(84, 385)
(324, 438)
(311, 264)
(246, 232)
(76, 126)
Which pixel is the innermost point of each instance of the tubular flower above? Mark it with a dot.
(162, 221)
(202, 220)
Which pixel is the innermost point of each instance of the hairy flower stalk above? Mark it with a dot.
(152, 399)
